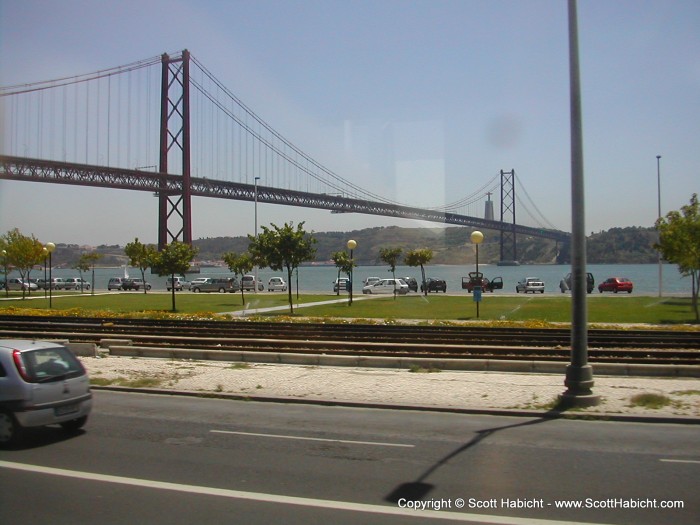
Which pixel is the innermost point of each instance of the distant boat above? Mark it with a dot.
(508, 263)
(194, 269)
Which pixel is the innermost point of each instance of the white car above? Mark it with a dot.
(19, 284)
(248, 283)
(276, 283)
(387, 286)
(530, 284)
(179, 284)
(76, 283)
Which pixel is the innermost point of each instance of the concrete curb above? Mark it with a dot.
(474, 365)
(551, 414)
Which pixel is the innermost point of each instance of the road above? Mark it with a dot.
(170, 460)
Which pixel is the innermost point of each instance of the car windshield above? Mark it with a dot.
(51, 364)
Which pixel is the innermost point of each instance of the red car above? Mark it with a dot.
(616, 284)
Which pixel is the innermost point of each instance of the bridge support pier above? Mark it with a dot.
(174, 209)
(509, 253)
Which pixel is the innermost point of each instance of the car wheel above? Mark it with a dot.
(222, 290)
(615, 290)
(195, 290)
(10, 430)
(74, 424)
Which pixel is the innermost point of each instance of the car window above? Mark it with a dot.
(51, 364)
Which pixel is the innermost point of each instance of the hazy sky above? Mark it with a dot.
(466, 88)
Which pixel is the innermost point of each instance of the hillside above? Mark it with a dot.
(452, 245)
(449, 245)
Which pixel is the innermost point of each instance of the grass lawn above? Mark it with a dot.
(601, 309)
(129, 302)
(532, 308)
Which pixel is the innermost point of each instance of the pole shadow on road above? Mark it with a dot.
(419, 489)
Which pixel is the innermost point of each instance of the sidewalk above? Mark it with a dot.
(255, 311)
(461, 391)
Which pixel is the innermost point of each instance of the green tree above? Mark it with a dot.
(239, 265)
(419, 257)
(175, 258)
(141, 256)
(344, 264)
(679, 243)
(86, 262)
(391, 256)
(23, 253)
(283, 248)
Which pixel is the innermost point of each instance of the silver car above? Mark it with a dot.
(530, 284)
(41, 383)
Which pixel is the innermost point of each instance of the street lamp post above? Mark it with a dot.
(4, 262)
(45, 252)
(658, 181)
(579, 374)
(351, 246)
(50, 247)
(255, 284)
(477, 237)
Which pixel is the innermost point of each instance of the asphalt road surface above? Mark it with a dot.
(170, 460)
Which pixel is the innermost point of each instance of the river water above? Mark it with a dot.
(320, 278)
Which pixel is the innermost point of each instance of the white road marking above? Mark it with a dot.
(286, 500)
(301, 438)
(680, 461)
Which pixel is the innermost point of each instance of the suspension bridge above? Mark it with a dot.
(167, 125)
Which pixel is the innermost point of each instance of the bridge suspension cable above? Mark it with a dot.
(300, 160)
(19, 89)
(540, 220)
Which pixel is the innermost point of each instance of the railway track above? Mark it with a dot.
(460, 342)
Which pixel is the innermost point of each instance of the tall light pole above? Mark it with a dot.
(4, 262)
(255, 284)
(45, 252)
(477, 237)
(658, 181)
(351, 246)
(50, 247)
(579, 374)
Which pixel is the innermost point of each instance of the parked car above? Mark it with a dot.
(616, 284)
(248, 283)
(221, 285)
(76, 283)
(115, 283)
(412, 283)
(56, 283)
(565, 283)
(341, 284)
(474, 279)
(41, 383)
(387, 286)
(530, 284)
(276, 283)
(178, 283)
(135, 284)
(19, 284)
(434, 285)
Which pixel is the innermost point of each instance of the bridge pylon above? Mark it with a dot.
(174, 208)
(509, 253)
